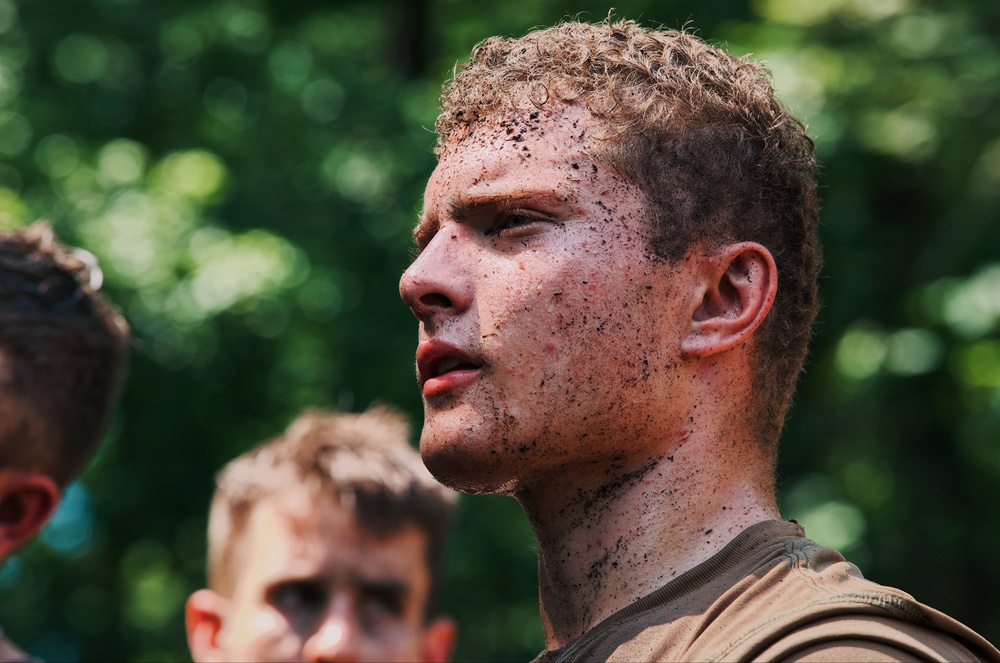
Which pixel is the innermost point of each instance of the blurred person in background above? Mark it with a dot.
(63, 353)
(616, 283)
(325, 544)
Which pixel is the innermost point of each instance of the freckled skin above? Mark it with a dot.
(586, 407)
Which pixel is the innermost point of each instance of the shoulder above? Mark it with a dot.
(813, 605)
(877, 638)
(788, 599)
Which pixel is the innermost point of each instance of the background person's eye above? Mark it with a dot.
(298, 597)
(378, 606)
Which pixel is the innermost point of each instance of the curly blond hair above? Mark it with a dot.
(700, 132)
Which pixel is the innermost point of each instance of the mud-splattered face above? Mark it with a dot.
(548, 331)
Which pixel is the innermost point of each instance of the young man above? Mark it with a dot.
(615, 288)
(325, 544)
(62, 357)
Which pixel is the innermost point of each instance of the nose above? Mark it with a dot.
(437, 284)
(336, 639)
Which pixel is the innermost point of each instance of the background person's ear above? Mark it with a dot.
(203, 616)
(27, 500)
(439, 640)
(740, 283)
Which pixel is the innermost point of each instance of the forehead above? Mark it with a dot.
(527, 137)
(514, 154)
(522, 122)
(326, 539)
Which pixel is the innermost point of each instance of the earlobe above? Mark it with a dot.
(203, 619)
(27, 500)
(740, 283)
(439, 640)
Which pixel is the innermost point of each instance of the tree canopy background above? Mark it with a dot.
(248, 172)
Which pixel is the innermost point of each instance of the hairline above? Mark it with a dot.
(361, 463)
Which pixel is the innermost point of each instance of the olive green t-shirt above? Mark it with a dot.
(771, 594)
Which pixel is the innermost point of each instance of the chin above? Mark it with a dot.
(473, 467)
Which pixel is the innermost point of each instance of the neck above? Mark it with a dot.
(607, 540)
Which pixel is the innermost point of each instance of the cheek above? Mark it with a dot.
(569, 310)
(396, 644)
(586, 315)
(266, 635)
(533, 294)
(530, 326)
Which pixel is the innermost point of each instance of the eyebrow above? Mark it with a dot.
(462, 207)
(382, 586)
(425, 230)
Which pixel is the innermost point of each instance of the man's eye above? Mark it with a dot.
(514, 225)
(298, 597)
(517, 221)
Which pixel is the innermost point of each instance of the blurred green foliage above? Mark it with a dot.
(248, 173)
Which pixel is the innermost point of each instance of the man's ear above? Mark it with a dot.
(739, 285)
(439, 640)
(27, 500)
(203, 617)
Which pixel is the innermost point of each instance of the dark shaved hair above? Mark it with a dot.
(62, 354)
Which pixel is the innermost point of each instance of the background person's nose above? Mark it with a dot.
(334, 640)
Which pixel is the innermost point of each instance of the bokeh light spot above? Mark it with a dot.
(323, 99)
(899, 133)
(121, 162)
(15, 133)
(834, 524)
(226, 100)
(972, 307)
(81, 58)
(290, 64)
(978, 364)
(197, 174)
(913, 352)
(57, 155)
(861, 351)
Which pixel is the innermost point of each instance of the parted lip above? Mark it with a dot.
(436, 358)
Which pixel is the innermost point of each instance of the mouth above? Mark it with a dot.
(443, 368)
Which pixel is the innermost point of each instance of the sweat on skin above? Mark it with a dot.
(562, 362)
